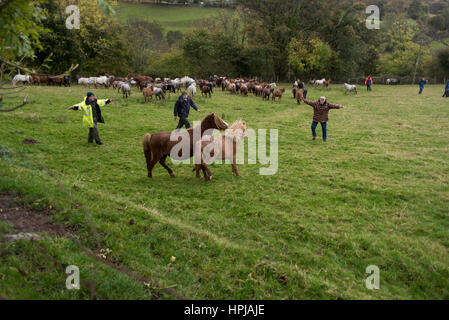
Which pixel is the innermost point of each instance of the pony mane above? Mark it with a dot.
(237, 130)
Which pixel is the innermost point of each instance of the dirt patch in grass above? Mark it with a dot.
(26, 220)
(30, 141)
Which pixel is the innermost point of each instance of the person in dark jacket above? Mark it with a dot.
(421, 85)
(298, 84)
(320, 114)
(301, 86)
(92, 114)
(446, 90)
(182, 110)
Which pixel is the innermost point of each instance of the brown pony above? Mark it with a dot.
(244, 90)
(158, 146)
(277, 94)
(223, 145)
(327, 83)
(35, 80)
(258, 90)
(205, 90)
(55, 80)
(299, 95)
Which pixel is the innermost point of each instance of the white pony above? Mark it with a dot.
(187, 81)
(159, 93)
(83, 81)
(118, 85)
(103, 80)
(126, 89)
(320, 82)
(192, 89)
(21, 78)
(350, 88)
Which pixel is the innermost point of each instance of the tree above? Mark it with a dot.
(443, 60)
(20, 27)
(174, 37)
(310, 57)
(418, 10)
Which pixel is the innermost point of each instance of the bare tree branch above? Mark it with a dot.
(25, 101)
(11, 64)
(12, 92)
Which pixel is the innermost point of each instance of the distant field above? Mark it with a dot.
(170, 17)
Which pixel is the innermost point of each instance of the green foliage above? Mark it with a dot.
(20, 26)
(443, 60)
(311, 57)
(99, 45)
(172, 64)
(144, 37)
(418, 9)
(211, 53)
(174, 37)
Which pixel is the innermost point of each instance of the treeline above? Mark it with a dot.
(272, 39)
(205, 3)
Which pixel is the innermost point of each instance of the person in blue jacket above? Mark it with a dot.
(446, 90)
(421, 85)
(182, 110)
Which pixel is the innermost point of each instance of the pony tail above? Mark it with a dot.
(146, 148)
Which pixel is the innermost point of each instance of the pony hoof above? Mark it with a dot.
(172, 175)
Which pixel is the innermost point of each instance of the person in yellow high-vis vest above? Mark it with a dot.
(92, 114)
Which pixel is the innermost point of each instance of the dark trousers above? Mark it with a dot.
(183, 122)
(420, 90)
(446, 94)
(323, 127)
(368, 87)
(93, 134)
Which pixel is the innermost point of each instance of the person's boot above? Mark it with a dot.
(99, 143)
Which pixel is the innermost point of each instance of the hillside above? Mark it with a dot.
(170, 17)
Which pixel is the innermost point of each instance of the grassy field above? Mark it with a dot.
(170, 17)
(376, 193)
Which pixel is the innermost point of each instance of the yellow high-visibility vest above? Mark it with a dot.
(88, 118)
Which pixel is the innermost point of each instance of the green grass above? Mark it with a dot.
(375, 193)
(170, 17)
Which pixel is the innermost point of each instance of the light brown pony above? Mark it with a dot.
(158, 146)
(327, 83)
(232, 88)
(148, 93)
(277, 94)
(244, 90)
(299, 95)
(223, 145)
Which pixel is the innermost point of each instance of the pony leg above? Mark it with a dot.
(162, 162)
(150, 166)
(197, 170)
(207, 173)
(234, 166)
